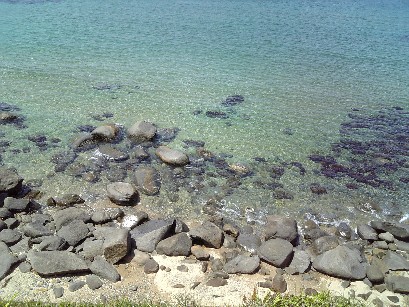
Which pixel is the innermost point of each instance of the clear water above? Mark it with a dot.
(301, 66)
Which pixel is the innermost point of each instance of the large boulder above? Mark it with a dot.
(122, 193)
(281, 227)
(242, 264)
(341, 262)
(66, 216)
(7, 260)
(53, 263)
(74, 232)
(395, 262)
(300, 264)
(177, 245)
(10, 181)
(399, 230)
(147, 180)
(116, 242)
(278, 252)
(208, 234)
(398, 284)
(172, 156)
(10, 236)
(142, 131)
(249, 241)
(146, 236)
(104, 269)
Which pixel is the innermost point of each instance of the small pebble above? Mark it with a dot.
(58, 292)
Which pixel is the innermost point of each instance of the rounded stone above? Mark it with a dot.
(172, 156)
(122, 193)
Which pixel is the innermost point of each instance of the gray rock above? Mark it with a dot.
(21, 247)
(105, 132)
(116, 242)
(151, 266)
(177, 245)
(280, 227)
(5, 213)
(11, 222)
(74, 232)
(344, 231)
(76, 285)
(341, 262)
(113, 154)
(66, 200)
(148, 235)
(50, 263)
(122, 193)
(278, 252)
(279, 283)
(10, 236)
(140, 258)
(249, 241)
(200, 253)
(242, 264)
(395, 262)
(101, 216)
(147, 180)
(82, 140)
(10, 181)
(2, 225)
(216, 282)
(34, 230)
(58, 292)
(65, 216)
(7, 260)
(52, 243)
(208, 234)
(300, 263)
(387, 237)
(377, 302)
(380, 245)
(403, 246)
(324, 244)
(397, 284)
(171, 156)
(24, 267)
(265, 284)
(393, 298)
(93, 282)
(133, 220)
(16, 205)
(366, 232)
(104, 269)
(91, 249)
(142, 131)
(374, 273)
(398, 230)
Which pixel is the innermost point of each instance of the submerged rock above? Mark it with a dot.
(172, 156)
(147, 180)
(142, 131)
(122, 193)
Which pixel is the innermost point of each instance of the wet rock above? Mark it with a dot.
(10, 236)
(177, 245)
(208, 234)
(166, 134)
(83, 140)
(65, 216)
(147, 180)
(366, 232)
(397, 284)
(151, 266)
(105, 133)
(104, 269)
(313, 234)
(171, 156)
(216, 114)
(93, 282)
(279, 284)
(398, 230)
(116, 242)
(122, 193)
(50, 263)
(66, 200)
(76, 285)
(341, 262)
(62, 160)
(111, 153)
(16, 205)
(52, 243)
(101, 216)
(216, 282)
(280, 227)
(278, 252)
(200, 253)
(233, 100)
(7, 260)
(395, 262)
(10, 181)
(249, 241)
(242, 264)
(148, 235)
(300, 263)
(142, 131)
(344, 231)
(74, 232)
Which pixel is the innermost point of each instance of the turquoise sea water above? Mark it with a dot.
(302, 67)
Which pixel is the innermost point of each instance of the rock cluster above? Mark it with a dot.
(73, 240)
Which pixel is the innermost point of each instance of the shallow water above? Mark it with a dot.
(301, 66)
